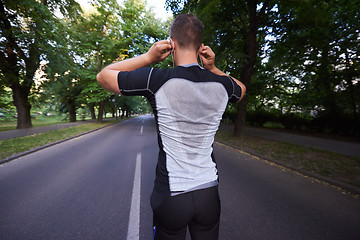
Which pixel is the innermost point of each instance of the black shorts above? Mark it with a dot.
(199, 210)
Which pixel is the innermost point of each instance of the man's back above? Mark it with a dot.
(188, 103)
(189, 106)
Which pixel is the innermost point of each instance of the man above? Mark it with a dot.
(188, 102)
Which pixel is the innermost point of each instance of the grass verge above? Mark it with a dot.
(335, 166)
(12, 146)
(11, 125)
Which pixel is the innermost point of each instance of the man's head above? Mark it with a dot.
(186, 30)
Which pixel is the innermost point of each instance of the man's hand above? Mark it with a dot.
(208, 58)
(159, 51)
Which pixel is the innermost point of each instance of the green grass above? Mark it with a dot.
(11, 125)
(10, 147)
(331, 165)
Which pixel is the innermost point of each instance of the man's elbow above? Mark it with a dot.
(99, 78)
(108, 81)
(243, 91)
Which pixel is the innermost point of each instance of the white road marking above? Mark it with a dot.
(134, 218)
(141, 129)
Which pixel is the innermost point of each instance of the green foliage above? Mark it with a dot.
(316, 52)
(100, 36)
(5, 98)
(30, 33)
(7, 109)
(302, 57)
(306, 72)
(132, 104)
(236, 35)
(109, 33)
(71, 48)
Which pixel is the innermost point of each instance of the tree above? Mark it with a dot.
(28, 32)
(64, 89)
(236, 35)
(317, 44)
(105, 37)
(96, 42)
(132, 104)
(73, 47)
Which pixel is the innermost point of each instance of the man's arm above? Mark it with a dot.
(208, 59)
(107, 78)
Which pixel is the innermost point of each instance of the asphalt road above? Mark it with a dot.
(84, 189)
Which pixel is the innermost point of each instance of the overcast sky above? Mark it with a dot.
(159, 7)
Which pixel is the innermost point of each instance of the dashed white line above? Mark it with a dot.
(134, 218)
(141, 129)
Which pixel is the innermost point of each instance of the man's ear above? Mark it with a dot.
(172, 43)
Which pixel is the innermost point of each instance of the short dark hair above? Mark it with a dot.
(187, 30)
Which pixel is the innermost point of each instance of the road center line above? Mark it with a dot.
(134, 218)
(141, 129)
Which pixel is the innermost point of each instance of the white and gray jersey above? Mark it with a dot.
(188, 103)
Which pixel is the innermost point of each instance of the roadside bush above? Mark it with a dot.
(293, 121)
(275, 119)
(322, 123)
(260, 118)
(337, 124)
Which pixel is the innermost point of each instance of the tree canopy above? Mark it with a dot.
(298, 59)
(70, 46)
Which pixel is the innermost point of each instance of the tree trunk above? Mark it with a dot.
(349, 79)
(240, 117)
(21, 102)
(325, 82)
(113, 109)
(101, 111)
(250, 49)
(92, 111)
(72, 112)
(127, 110)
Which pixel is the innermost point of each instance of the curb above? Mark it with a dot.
(343, 187)
(18, 155)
